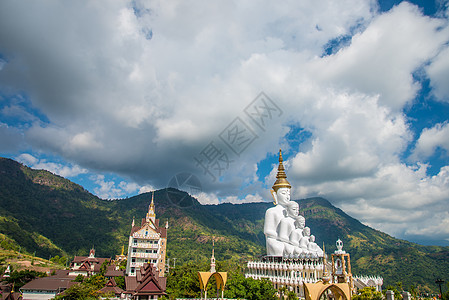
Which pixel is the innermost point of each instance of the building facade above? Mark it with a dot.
(147, 244)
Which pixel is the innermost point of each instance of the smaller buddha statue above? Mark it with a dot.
(286, 226)
(296, 234)
(313, 247)
(304, 241)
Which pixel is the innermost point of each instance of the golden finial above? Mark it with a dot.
(151, 211)
(281, 177)
(326, 277)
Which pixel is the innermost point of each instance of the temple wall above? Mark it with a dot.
(290, 273)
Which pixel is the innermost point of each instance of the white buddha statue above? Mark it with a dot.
(273, 216)
(304, 241)
(286, 226)
(296, 235)
(313, 247)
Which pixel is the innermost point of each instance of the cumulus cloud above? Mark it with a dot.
(140, 89)
(56, 168)
(109, 189)
(438, 71)
(211, 198)
(381, 59)
(430, 139)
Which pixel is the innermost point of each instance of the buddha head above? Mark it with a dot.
(312, 238)
(292, 209)
(300, 222)
(281, 188)
(306, 231)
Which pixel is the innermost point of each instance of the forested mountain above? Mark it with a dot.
(47, 214)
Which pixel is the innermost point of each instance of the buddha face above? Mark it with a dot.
(300, 222)
(306, 231)
(312, 238)
(293, 209)
(283, 196)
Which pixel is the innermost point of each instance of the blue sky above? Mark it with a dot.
(356, 93)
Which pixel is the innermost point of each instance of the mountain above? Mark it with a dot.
(47, 214)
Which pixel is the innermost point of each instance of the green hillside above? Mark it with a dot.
(47, 214)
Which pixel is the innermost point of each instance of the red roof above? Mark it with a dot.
(146, 282)
(111, 286)
(49, 284)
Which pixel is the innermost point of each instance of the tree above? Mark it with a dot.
(291, 296)
(445, 296)
(97, 281)
(240, 287)
(79, 278)
(104, 267)
(397, 294)
(120, 281)
(368, 293)
(79, 291)
(20, 278)
(413, 291)
(282, 292)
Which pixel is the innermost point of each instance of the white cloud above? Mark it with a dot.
(146, 189)
(382, 58)
(438, 72)
(211, 198)
(111, 189)
(430, 139)
(121, 102)
(56, 168)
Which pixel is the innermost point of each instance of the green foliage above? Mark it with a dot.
(122, 265)
(97, 281)
(445, 295)
(79, 291)
(59, 260)
(20, 278)
(240, 287)
(120, 281)
(104, 267)
(291, 296)
(86, 288)
(183, 282)
(397, 290)
(368, 293)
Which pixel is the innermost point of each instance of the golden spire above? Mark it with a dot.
(281, 177)
(151, 214)
(326, 277)
(123, 249)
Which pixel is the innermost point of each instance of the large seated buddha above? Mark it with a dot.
(284, 228)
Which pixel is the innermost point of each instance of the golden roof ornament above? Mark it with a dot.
(281, 177)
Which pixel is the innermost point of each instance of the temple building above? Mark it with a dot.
(147, 244)
(87, 265)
